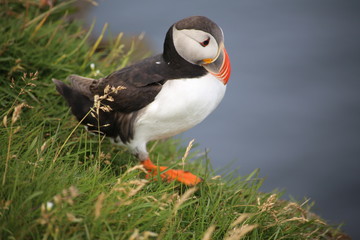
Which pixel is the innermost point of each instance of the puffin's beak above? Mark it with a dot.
(220, 67)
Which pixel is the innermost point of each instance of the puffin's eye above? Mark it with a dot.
(205, 43)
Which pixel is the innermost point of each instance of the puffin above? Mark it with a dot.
(158, 97)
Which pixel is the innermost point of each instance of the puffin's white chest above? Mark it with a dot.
(180, 105)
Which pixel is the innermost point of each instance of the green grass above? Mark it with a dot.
(57, 182)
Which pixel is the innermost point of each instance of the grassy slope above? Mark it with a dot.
(58, 183)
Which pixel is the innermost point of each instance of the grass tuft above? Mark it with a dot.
(58, 183)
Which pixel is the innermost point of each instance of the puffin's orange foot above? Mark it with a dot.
(170, 175)
(182, 176)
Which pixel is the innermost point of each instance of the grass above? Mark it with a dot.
(57, 182)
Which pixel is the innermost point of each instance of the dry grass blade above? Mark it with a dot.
(184, 198)
(139, 185)
(98, 205)
(268, 204)
(14, 118)
(17, 112)
(51, 10)
(188, 148)
(71, 218)
(136, 167)
(68, 138)
(240, 219)
(238, 233)
(43, 147)
(208, 233)
(96, 44)
(41, 23)
(136, 235)
(5, 121)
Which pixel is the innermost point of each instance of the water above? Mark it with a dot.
(292, 106)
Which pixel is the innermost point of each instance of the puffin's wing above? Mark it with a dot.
(141, 82)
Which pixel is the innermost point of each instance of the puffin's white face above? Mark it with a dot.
(195, 46)
(201, 47)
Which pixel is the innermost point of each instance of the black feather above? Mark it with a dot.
(112, 124)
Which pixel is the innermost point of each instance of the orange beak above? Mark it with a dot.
(219, 67)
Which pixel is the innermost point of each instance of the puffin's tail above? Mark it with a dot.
(80, 105)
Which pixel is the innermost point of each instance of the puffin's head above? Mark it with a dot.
(200, 41)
